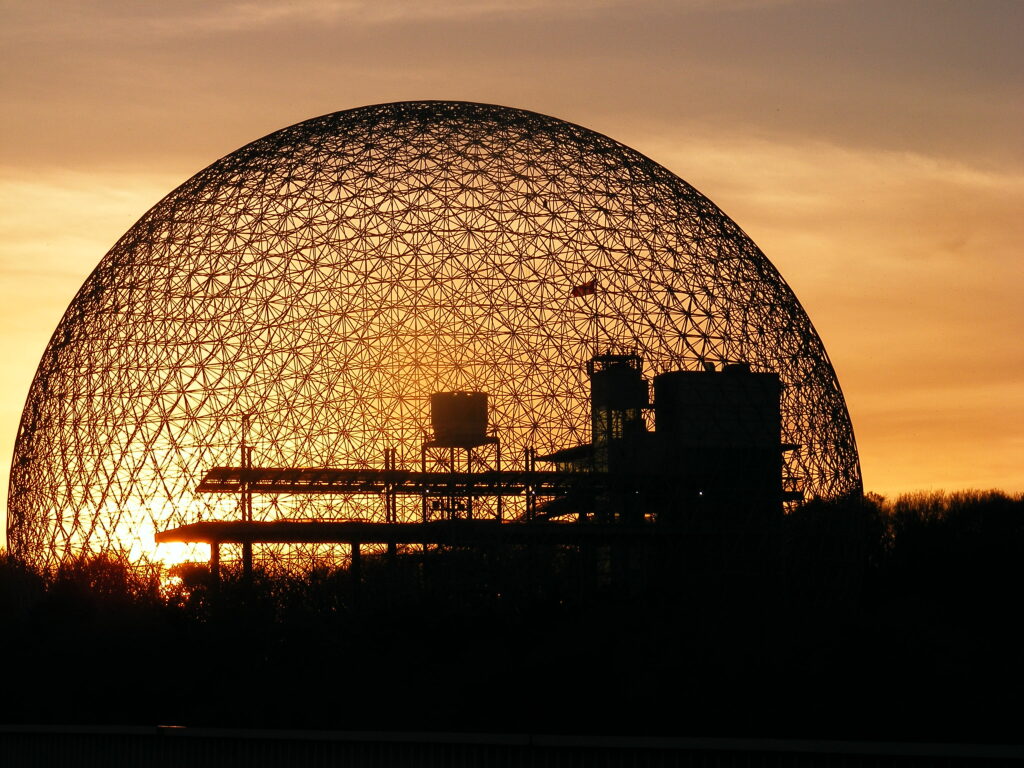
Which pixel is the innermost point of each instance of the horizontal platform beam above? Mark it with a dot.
(272, 480)
(452, 532)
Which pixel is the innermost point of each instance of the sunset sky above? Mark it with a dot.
(873, 150)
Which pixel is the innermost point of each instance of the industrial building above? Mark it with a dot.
(712, 465)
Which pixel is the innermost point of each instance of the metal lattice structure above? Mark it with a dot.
(325, 279)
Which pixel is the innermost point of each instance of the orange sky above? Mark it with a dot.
(873, 150)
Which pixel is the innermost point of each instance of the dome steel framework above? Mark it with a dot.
(324, 280)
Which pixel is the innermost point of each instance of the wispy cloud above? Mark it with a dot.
(63, 18)
(910, 268)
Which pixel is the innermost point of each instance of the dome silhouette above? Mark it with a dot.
(324, 280)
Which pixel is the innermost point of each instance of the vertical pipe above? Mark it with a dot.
(500, 494)
(245, 495)
(247, 506)
(390, 505)
(451, 484)
(423, 467)
(469, 484)
(528, 466)
(246, 498)
(423, 470)
(526, 472)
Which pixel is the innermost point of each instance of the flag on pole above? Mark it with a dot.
(586, 289)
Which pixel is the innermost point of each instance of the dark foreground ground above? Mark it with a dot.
(877, 622)
(159, 746)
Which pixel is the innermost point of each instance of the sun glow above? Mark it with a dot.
(174, 553)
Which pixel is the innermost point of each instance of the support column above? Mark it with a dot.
(530, 465)
(423, 469)
(246, 497)
(215, 562)
(390, 499)
(500, 494)
(469, 485)
(247, 561)
(355, 570)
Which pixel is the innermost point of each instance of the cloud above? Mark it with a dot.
(63, 18)
(909, 267)
(939, 79)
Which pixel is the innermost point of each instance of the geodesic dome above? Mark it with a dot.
(325, 279)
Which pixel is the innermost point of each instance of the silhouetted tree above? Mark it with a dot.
(875, 618)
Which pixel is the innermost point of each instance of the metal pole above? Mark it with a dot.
(528, 465)
(451, 484)
(469, 484)
(423, 469)
(390, 502)
(246, 497)
(500, 495)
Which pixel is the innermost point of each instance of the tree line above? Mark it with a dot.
(859, 618)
